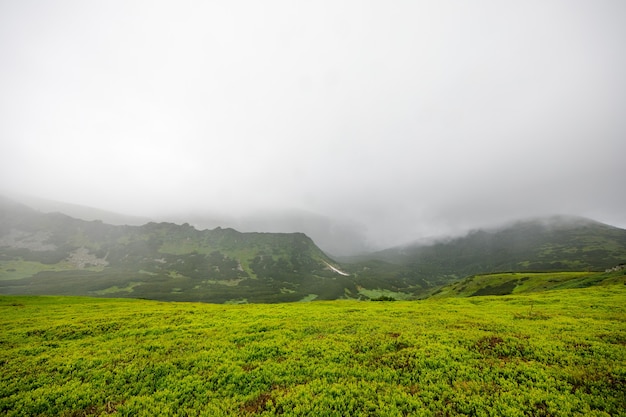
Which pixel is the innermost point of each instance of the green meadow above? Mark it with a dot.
(555, 353)
(521, 282)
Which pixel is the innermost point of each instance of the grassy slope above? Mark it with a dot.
(522, 282)
(556, 353)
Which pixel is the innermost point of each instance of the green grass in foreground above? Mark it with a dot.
(557, 353)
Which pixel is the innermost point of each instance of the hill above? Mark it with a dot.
(525, 282)
(549, 244)
(53, 253)
(557, 353)
(334, 237)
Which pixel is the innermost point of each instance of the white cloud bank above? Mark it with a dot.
(409, 118)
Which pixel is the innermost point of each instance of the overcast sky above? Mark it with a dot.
(405, 118)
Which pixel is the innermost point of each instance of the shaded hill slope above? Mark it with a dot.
(525, 282)
(57, 254)
(552, 244)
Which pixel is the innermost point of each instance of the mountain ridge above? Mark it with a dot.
(55, 253)
(52, 253)
(526, 231)
(335, 237)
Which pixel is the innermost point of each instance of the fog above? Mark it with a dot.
(382, 121)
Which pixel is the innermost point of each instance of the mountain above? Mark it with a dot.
(557, 243)
(78, 211)
(335, 237)
(51, 253)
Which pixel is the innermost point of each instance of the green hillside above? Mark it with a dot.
(558, 353)
(552, 244)
(523, 282)
(57, 254)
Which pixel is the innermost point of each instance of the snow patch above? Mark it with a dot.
(336, 270)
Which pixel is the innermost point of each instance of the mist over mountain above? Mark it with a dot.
(539, 244)
(294, 151)
(78, 211)
(352, 121)
(333, 236)
(52, 253)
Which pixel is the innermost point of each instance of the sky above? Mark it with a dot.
(396, 120)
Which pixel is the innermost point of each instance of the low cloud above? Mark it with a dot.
(392, 122)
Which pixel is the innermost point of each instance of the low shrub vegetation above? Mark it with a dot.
(558, 353)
